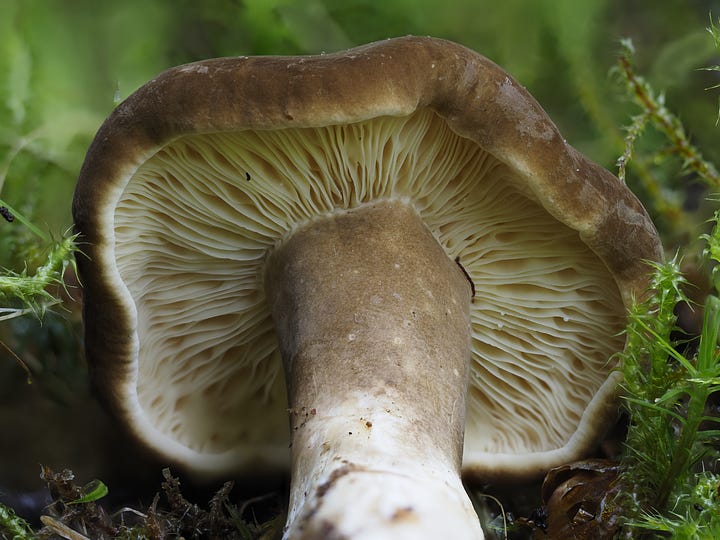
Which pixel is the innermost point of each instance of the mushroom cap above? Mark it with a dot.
(195, 177)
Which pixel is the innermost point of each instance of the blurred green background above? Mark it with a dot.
(64, 64)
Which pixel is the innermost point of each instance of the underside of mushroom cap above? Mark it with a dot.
(197, 176)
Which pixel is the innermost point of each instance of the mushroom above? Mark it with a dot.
(352, 237)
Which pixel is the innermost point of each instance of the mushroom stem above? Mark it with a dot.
(373, 324)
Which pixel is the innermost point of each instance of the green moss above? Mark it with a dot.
(670, 467)
(14, 527)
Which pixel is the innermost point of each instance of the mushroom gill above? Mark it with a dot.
(195, 222)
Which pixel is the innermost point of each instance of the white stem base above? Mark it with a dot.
(383, 505)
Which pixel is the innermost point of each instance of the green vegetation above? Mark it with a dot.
(670, 464)
(65, 65)
(31, 293)
(654, 112)
(670, 473)
(12, 526)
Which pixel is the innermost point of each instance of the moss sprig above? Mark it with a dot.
(666, 395)
(715, 33)
(712, 250)
(13, 526)
(670, 463)
(666, 203)
(21, 292)
(656, 112)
